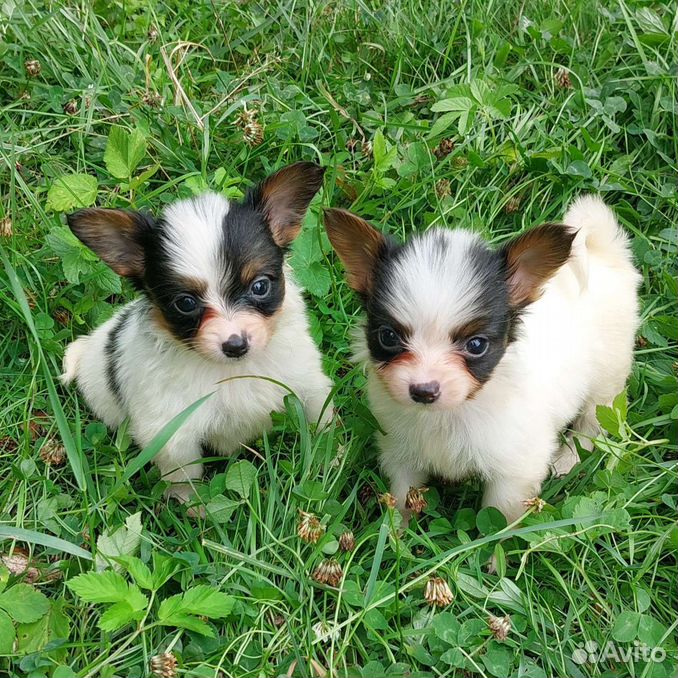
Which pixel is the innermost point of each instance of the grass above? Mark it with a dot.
(564, 98)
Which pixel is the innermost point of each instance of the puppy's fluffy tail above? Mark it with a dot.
(72, 358)
(598, 235)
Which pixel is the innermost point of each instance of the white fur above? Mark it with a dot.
(574, 351)
(159, 377)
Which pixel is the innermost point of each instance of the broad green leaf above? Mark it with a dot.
(490, 520)
(498, 659)
(620, 404)
(206, 602)
(100, 587)
(124, 152)
(607, 419)
(220, 509)
(23, 603)
(453, 104)
(7, 634)
(625, 628)
(123, 542)
(240, 476)
(118, 615)
(63, 672)
(578, 168)
(454, 657)
(4, 577)
(384, 157)
(446, 627)
(442, 124)
(71, 191)
(650, 630)
(471, 585)
(34, 636)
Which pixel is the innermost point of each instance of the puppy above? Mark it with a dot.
(478, 359)
(217, 302)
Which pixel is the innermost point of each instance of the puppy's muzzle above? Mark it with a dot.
(235, 346)
(425, 393)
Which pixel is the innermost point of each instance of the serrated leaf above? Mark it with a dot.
(119, 615)
(71, 191)
(99, 587)
(187, 621)
(105, 278)
(205, 601)
(123, 542)
(7, 634)
(23, 603)
(240, 477)
(139, 571)
(163, 568)
(124, 151)
(75, 258)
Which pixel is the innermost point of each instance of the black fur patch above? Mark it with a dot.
(248, 251)
(111, 352)
(495, 321)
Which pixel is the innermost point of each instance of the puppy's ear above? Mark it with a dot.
(115, 235)
(284, 198)
(358, 245)
(532, 258)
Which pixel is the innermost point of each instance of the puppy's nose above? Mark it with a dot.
(235, 346)
(425, 393)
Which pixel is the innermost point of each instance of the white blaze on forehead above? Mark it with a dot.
(193, 232)
(434, 285)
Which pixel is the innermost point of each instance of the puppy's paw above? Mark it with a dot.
(184, 494)
(491, 566)
(564, 461)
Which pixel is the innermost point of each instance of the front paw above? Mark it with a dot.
(185, 494)
(565, 460)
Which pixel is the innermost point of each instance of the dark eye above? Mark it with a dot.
(261, 287)
(477, 346)
(186, 304)
(388, 338)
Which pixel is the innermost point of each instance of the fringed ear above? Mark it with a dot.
(358, 245)
(284, 197)
(532, 258)
(115, 235)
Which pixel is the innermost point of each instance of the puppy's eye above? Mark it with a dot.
(388, 338)
(186, 304)
(260, 287)
(477, 346)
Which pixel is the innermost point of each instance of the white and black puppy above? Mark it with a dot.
(217, 301)
(478, 359)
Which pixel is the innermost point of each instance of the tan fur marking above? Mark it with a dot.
(358, 245)
(533, 257)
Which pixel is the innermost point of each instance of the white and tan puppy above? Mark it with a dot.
(217, 301)
(479, 359)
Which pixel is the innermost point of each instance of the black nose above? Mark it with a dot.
(425, 393)
(235, 346)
